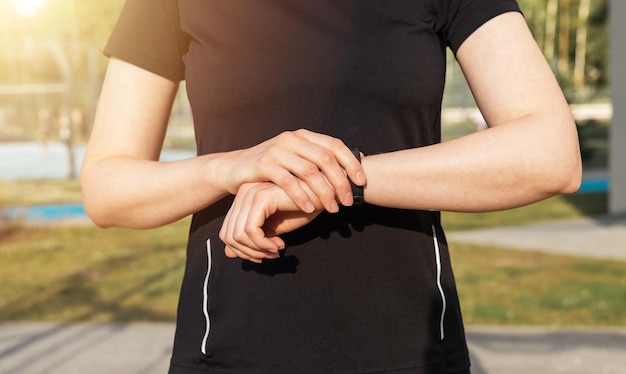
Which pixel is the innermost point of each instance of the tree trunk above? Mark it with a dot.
(564, 31)
(581, 42)
(552, 10)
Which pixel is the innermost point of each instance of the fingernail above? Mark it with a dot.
(347, 199)
(310, 208)
(334, 207)
(360, 178)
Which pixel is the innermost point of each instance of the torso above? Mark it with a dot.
(354, 292)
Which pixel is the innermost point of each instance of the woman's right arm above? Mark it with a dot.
(125, 185)
(122, 181)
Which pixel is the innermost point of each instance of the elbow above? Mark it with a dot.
(96, 213)
(98, 220)
(562, 166)
(569, 184)
(106, 212)
(106, 203)
(94, 204)
(565, 177)
(572, 185)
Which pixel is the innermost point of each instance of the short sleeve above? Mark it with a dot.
(148, 34)
(466, 16)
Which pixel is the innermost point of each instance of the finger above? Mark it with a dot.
(253, 224)
(256, 206)
(279, 242)
(230, 253)
(264, 163)
(235, 248)
(316, 180)
(235, 253)
(227, 230)
(335, 177)
(289, 157)
(280, 175)
(344, 163)
(305, 160)
(238, 229)
(342, 153)
(249, 238)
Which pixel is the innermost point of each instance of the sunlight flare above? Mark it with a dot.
(28, 8)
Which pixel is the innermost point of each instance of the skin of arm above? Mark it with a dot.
(530, 151)
(125, 185)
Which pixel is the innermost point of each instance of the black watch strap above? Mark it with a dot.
(357, 191)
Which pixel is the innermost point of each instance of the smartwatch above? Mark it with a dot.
(357, 191)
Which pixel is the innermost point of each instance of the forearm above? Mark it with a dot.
(124, 185)
(503, 167)
(126, 192)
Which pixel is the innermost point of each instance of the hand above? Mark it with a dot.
(322, 162)
(259, 213)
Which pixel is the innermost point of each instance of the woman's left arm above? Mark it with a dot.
(529, 152)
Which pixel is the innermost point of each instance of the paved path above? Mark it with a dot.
(85, 348)
(599, 237)
(145, 349)
(497, 350)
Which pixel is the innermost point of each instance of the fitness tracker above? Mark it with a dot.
(357, 191)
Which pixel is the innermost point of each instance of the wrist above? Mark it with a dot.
(219, 172)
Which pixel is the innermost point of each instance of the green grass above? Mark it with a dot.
(511, 287)
(82, 273)
(34, 192)
(556, 208)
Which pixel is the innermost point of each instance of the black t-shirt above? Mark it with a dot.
(369, 289)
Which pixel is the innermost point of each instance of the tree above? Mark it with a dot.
(572, 32)
(580, 58)
(564, 30)
(552, 12)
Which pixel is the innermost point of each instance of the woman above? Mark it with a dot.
(284, 273)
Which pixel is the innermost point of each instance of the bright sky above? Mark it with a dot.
(28, 8)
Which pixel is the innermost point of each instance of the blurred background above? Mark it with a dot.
(51, 64)
(51, 68)
(56, 267)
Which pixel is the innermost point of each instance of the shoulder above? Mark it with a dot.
(148, 34)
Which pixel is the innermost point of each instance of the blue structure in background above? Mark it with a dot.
(46, 213)
(596, 184)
